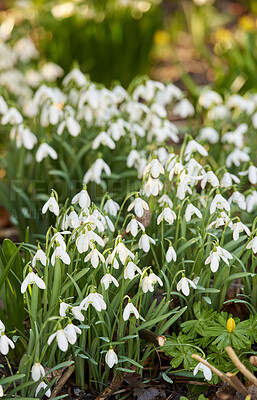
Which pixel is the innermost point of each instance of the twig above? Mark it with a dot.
(234, 382)
(61, 382)
(152, 337)
(240, 366)
(114, 386)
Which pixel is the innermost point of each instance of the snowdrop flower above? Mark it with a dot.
(61, 253)
(107, 279)
(12, 116)
(168, 215)
(192, 147)
(71, 332)
(96, 300)
(215, 255)
(209, 134)
(51, 71)
(252, 245)
(72, 126)
(211, 178)
(130, 270)
(111, 358)
(152, 186)
(94, 256)
(184, 285)
(144, 242)
(252, 174)
(52, 205)
(73, 219)
(133, 226)
(220, 203)
(43, 386)
(239, 227)
(236, 157)
(206, 371)
(25, 49)
(64, 307)
(140, 206)
(148, 282)
(5, 342)
(130, 309)
(239, 199)
(61, 339)
(30, 279)
(37, 371)
(218, 112)
(228, 179)
(111, 207)
(132, 158)
(3, 106)
(123, 252)
(155, 168)
(23, 136)
(75, 76)
(164, 199)
(251, 201)
(221, 220)
(85, 238)
(39, 256)
(184, 109)
(209, 98)
(51, 114)
(171, 254)
(236, 137)
(190, 210)
(1, 391)
(44, 151)
(76, 311)
(95, 171)
(104, 139)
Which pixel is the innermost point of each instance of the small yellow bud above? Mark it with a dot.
(231, 325)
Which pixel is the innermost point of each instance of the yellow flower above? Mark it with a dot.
(246, 23)
(231, 325)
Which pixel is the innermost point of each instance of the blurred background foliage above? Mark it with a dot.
(187, 41)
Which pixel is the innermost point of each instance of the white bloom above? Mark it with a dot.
(76, 311)
(5, 342)
(94, 256)
(104, 139)
(152, 186)
(144, 242)
(39, 256)
(228, 179)
(221, 220)
(44, 151)
(94, 173)
(155, 168)
(63, 308)
(43, 386)
(3, 106)
(107, 279)
(190, 210)
(192, 147)
(61, 339)
(139, 206)
(220, 203)
(210, 177)
(37, 371)
(148, 282)
(61, 253)
(83, 198)
(51, 71)
(209, 98)
(96, 300)
(111, 358)
(184, 109)
(23, 136)
(206, 371)
(30, 279)
(251, 201)
(164, 199)
(130, 269)
(184, 285)
(253, 245)
(252, 174)
(171, 254)
(236, 157)
(239, 199)
(76, 76)
(12, 116)
(239, 227)
(130, 309)
(168, 215)
(123, 252)
(1, 391)
(133, 226)
(52, 205)
(71, 332)
(84, 239)
(209, 134)
(111, 207)
(72, 126)
(215, 255)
